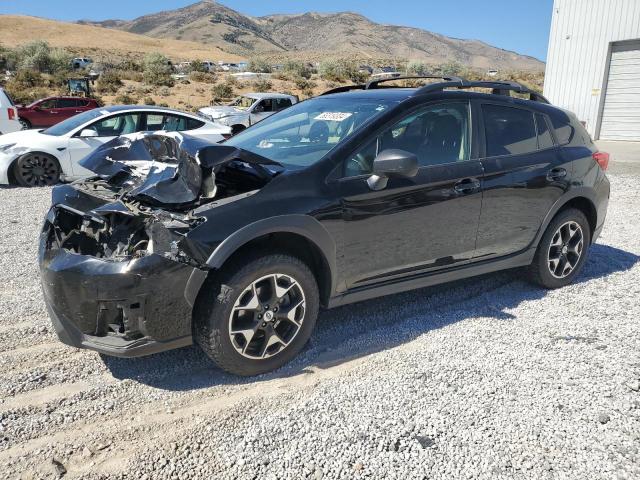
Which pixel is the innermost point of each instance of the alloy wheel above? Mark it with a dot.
(267, 316)
(37, 170)
(24, 124)
(565, 249)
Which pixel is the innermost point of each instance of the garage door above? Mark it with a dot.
(621, 113)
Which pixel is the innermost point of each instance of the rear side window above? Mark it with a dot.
(282, 103)
(67, 103)
(192, 124)
(544, 134)
(508, 130)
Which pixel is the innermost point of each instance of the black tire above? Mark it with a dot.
(236, 129)
(214, 313)
(26, 124)
(36, 169)
(541, 269)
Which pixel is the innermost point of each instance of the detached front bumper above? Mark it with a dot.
(123, 308)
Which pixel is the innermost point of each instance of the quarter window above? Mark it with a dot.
(438, 134)
(508, 130)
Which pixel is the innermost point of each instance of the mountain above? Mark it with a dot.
(355, 34)
(103, 43)
(335, 34)
(207, 22)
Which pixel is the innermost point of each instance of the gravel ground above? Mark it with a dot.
(486, 378)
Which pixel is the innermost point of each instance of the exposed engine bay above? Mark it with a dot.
(145, 192)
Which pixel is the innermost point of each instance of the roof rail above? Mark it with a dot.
(371, 84)
(374, 83)
(344, 89)
(497, 88)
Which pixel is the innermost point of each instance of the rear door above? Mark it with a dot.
(67, 107)
(524, 175)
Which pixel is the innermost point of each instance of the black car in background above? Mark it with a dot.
(365, 191)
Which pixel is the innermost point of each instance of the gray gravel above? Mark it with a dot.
(486, 378)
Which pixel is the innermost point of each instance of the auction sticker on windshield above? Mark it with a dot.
(333, 116)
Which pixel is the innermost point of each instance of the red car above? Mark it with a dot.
(51, 110)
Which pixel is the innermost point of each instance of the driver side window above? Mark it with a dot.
(47, 104)
(116, 125)
(437, 135)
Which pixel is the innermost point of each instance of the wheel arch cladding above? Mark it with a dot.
(581, 200)
(587, 207)
(299, 235)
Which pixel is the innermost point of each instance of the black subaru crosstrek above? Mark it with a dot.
(365, 191)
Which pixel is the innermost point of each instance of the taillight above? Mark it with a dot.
(602, 159)
(11, 112)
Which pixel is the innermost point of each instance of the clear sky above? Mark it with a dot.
(522, 25)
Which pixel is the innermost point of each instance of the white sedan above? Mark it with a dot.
(43, 157)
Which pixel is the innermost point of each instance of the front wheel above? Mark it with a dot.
(562, 251)
(36, 170)
(258, 315)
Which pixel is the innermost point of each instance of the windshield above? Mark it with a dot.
(74, 122)
(243, 102)
(299, 136)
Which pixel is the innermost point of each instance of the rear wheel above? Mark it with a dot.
(26, 124)
(562, 251)
(258, 315)
(36, 170)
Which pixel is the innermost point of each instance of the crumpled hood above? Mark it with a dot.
(222, 111)
(163, 169)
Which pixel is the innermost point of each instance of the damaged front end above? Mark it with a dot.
(115, 253)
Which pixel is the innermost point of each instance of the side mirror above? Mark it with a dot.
(87, 132)
(392, 163)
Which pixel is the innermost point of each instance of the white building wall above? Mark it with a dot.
(581, 32)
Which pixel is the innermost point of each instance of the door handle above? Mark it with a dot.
(467, 185)
(556, 174)
(78, 111)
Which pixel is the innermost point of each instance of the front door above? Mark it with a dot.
(417, 224)
(106, 129)
(262, 110)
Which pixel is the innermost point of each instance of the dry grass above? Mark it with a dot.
(98, 41)
(196, 95)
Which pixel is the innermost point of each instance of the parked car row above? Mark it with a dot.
(68, 128)
(43, 157)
